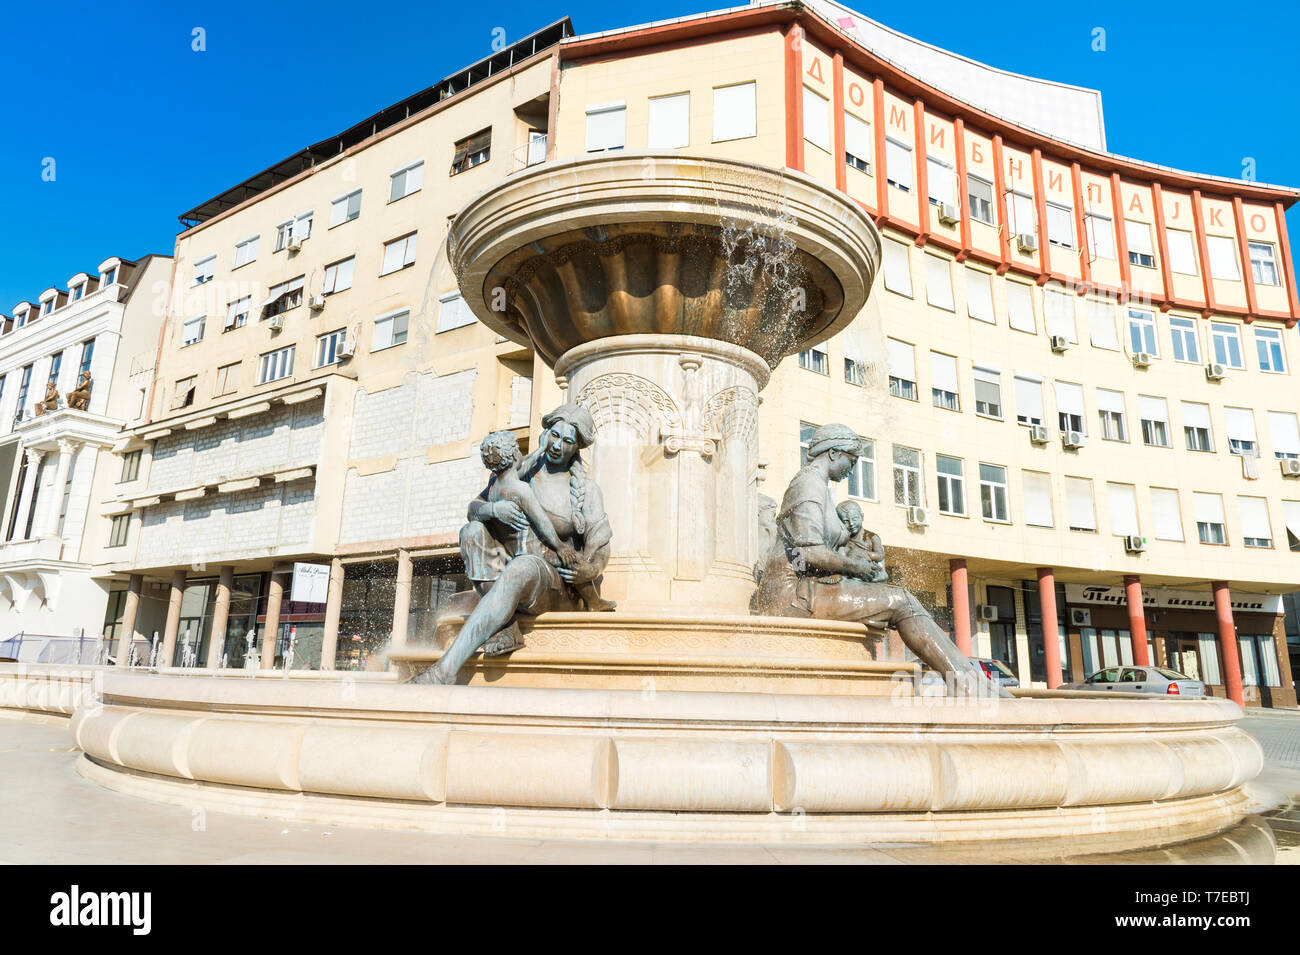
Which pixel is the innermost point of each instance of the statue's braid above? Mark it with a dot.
(578, 495)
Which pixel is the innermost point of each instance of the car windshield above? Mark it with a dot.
(1169, 674)
(1002, 668)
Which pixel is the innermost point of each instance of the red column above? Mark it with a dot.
(1051, 631)
(960, 605)
(1137, 619)
(1228, 643)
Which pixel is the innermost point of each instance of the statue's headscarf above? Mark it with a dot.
(834, 437)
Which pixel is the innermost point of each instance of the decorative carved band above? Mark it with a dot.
(619, 399)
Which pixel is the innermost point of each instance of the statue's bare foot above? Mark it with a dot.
(599, 604)
(434, 676)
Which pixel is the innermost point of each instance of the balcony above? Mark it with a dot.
(530, 153)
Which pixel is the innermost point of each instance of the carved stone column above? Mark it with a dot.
(48, 520)
(34, 458)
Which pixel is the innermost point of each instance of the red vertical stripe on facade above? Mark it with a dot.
(1203, 252)
(1040, 209)
(1121, 239)
(1000, 202)
(1162, 245)
(794, 97)
(922, 176)
(1243, 247)
(963, 192)
(882, 174)
(837, 120)
(1081, 227)
(1288, 270)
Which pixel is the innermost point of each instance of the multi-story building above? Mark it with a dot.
(1074, 371)
(73, 370)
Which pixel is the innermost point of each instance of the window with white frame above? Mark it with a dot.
(806, 432)
(227, 382)
(292, 230)
(1210, 527)
(1182, 331)
(1223, 258)
(237, 313)
(283, 297)
(943, 381)
(898, 268)
(938, 282)
(735, 112)
(1058, 308)
(816, 119)
(1256, 528)
(1291, 517)
(1069, 407)
(988, 391)
(1020, 307)
(184, 395)
(338, 276)
(908, 489)
(398, 254)
(345, 208)
(993, 493)
(390, 329)
(402, 182)
(1154, 414)
(1182, 251)
(979, 192)
(204, 269)
(898, 164)
(940, 182)
(77, 291)
(1226, 338)
(1166, 514)
(1240, 426)
(1079, 507)
(1029, 400)
(453, 312)
(1020, 208)
(1110, 408)
(1140, 250)
(1101, 323)
(979, 295)
(1060, 225)
(1268, 344)
(862, 479)
(1037, 498)
(246, 251)
(1122, 499)
(952, 485)
(1263, 263)
(902, 369)
(814, 359)
(669, 124)
(193, 330)
(1284, 433)
(1196, 426)
(1142, 332)
(857, 143)
(276, 365)
(108, 277)
(855, 365)
(327, 347)
(1101, 236)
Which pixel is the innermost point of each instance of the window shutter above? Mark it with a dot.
(1029, 398)
(1165, 511)
(669, 122)
(938, 282)
(1101, 324)
(1196, 415)
(1286, 436)
(1241, 424)
(898, 272)
(816, 119)
(898, 163)
(943, 372)
(1182, 257)
(1020, 306)
(1208, 507)
(1291, 516)
(1059, 309)
(979, 295)
(1110, 401)
(1078, 499)
(734, 112)
(1069, 398)
(1254, 518)
(1139, 237)
(1123, 509)
(857, 137)
(1038, 498)
(902, 360)
(1153, 409)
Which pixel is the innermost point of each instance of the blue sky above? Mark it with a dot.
(142, 128)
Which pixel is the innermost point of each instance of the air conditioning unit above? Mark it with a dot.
(948, 214)
(1080, 617)
(1038, 434)
(987, 612)
(294, 245)
(1134, 544)
(1290, 467)
(918, 516)
(316, 302)
(1215, 372)
(1027, 242)
(347, 348)
(1072, 439)
(1142, 359)
(1060, 343)
(276, 323)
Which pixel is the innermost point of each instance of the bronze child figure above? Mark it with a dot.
(863, 543)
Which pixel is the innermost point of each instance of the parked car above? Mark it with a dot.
(1160, 680)
(997, 671)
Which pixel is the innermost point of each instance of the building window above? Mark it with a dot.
(398, 254)
(1060, 225)
(1291, 517)
(980, 194)
(472, 151)
(1182, 252)
(1256, 529)
(898, 269)
(854, 372)
(1029, 401)
(1166, 514)
(1037, 498)
(1263, 264)
(862, 479)
(1058, 309)
(1154, 414)
(56, 365)
(606, 127)
(814, 359)
(345, 208)
(988, 392)
(237, 313)
(1227, 344)
(78, 291)
(806, 432)
(283, 297)
(130, 466)
(943, 381)
(938, 282)
(327, 347)
(119, 529)
(338, 276)
(291, 230)
(1209, 518)
(204, 270)
(669, 121)
(227, 380)
(907, 477)
(87, 356)
(24, 385)
(993, 493)
(405, 181)
(1078, 502)
(1101, 236)
(453, 313)
(816, 119)
(1242, 438)
(47, 306)
(735, 112)
(1020, 307)
(1196, 426)
(1259, 660)
(1069, 406)
(184, 396)
(1223, 258)
(979, 295)
(246, 251)
(390, 330)
(1142, 332)
(1122, 499)
(857, 143)
(1023, 215)
(898, 164)
(193, 330)
(1140, 251)
(1182, 331)
(902, 369)
(276, 365)
(952, 485)
(941, 182)
(1110, 406)
(1268, 343)
(1284, 434)
(1100, 316)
